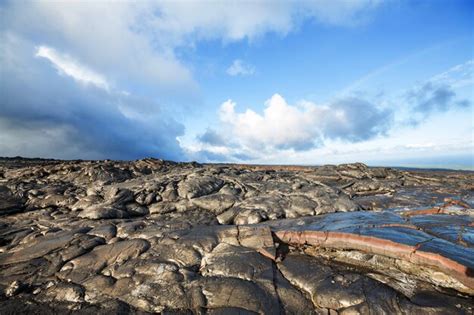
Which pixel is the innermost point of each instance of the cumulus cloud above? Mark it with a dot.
(303, 126)
(238, 67)
(281, 125)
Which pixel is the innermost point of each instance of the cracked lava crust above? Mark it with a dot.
(151, 236)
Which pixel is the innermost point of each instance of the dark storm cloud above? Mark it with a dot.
(43, 113)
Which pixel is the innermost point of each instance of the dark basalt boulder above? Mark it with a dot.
(196, 186)
(9, 203)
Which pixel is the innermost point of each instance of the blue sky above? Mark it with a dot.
(381, 82)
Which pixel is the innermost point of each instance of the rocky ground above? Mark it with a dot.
(151, 236)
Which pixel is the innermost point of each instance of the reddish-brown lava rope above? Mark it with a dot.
(375, 245)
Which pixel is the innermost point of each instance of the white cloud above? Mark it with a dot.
(281, 125)
(352, 129)
(303, 126)
(71, 67)
(238, 67)
(176, 20)
(349, 129)
(108, 37)
(137, 40)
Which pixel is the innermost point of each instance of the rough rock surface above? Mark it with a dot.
(152, 236)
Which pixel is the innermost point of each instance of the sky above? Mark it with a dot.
(387, 83)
